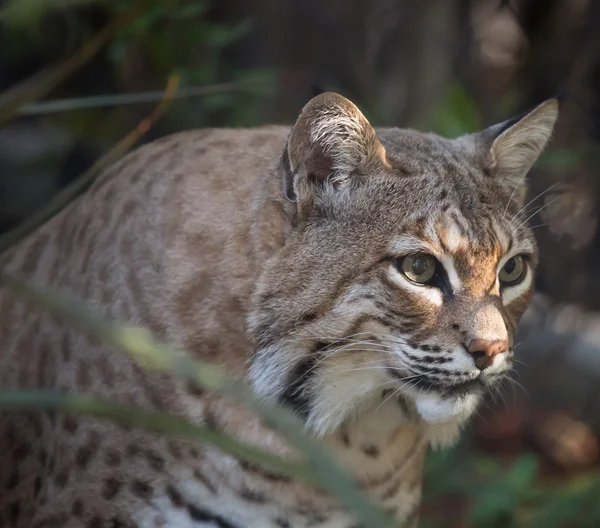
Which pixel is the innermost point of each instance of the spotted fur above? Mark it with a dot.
(273, 252)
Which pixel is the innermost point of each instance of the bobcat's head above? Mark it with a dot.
(406, 268)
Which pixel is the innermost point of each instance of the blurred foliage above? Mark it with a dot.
(487, 491)
(165, 37)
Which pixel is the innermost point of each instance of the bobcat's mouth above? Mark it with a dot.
(449, 389)
(425, 383)
(439, 401)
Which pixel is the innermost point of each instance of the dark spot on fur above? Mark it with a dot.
(252, 496)
(112, 458)
(174, 449)
(455, 326)
(315, 520)
(95, 522)
(345, 439)
(69, 423)
(445, 207)
(425, 348)
(77, 508)
(141, 489)
(308, 317)
(13, 480)
(37, 486)
(443, 194)
(282, 523)
(83, 456)
(21, 452)
(193, 389)
(112, 486)
(268, 475)
(175, 497)
(370, 450)
(403, 405)
(155, 460)
(204, 480)
(392, 490)
(61, 479)
(133, 450)
(295, 397)
(14, 511)
(200, 515)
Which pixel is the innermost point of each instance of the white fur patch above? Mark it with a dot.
(512, 293)
(448, 262)
(434, 409)
(345, 138)
(453, 238)
(445, 416)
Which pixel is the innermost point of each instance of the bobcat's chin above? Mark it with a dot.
(445, 415)
(437, 409)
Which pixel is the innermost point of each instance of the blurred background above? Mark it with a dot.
(78, 76)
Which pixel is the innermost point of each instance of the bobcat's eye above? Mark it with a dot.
(419, 268)
(512, 271)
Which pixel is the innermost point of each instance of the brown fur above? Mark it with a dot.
(271, 254)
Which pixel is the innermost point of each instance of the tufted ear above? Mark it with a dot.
(517, 143)
(331, 148)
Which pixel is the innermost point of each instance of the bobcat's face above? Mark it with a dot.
(406, 268)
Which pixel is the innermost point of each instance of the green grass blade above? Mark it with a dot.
(160, 422)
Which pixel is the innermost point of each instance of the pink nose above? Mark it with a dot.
(484, 351)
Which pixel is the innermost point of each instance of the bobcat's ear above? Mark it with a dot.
(516, 144)
(331, 147)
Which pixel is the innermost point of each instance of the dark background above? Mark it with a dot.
(450, 66)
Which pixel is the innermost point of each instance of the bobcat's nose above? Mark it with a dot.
(484, 351)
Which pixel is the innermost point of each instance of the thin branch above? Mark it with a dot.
(105, 101)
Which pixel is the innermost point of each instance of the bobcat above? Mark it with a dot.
(370, 280)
